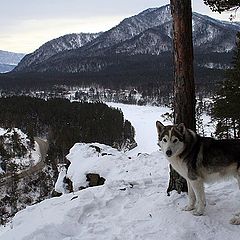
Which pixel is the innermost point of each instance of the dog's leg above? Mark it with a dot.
(238, 179)
(198, 189)
(191, 198)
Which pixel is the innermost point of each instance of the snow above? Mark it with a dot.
(132, 204)
(60, 186)
(2, 131)
(143, 118)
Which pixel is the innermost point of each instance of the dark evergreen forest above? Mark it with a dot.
(64, 123)
(143, 72)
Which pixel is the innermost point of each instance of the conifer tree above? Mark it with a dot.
(226, 106)
(184, 87)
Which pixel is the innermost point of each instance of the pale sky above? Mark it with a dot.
(27, 24)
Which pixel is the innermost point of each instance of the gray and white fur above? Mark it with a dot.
(199, 159)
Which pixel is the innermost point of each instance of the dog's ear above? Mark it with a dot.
(159, 126)
(181, 128)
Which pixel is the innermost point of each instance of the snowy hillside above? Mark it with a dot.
(21, 161)
(132, 204)
(52, 47)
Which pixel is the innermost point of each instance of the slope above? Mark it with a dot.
(52, 47)
(132, 204)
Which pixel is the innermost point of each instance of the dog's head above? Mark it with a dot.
(170, 138)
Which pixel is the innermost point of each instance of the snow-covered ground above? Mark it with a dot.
(132, 204)
(143, 118)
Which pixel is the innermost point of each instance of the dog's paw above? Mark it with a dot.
(235, 220)
(197, 212)
(188, 208)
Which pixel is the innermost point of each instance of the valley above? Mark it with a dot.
(79, 153)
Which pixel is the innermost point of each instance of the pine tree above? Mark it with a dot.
(184, 88)
(226, 106)
(222, 5)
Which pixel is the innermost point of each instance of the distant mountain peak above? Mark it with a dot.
(8, 60)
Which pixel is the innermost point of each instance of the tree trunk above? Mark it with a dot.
(184, 88)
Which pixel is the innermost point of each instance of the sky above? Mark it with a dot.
(27, 24)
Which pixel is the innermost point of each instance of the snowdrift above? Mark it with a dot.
(131, 205)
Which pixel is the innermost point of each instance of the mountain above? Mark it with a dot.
(149, 32)
(9, 60)
(50, 48)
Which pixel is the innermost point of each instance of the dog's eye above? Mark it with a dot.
(164, 139)
(175, 140)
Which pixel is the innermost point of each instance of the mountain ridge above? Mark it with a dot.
(149, 32)
(54, 46)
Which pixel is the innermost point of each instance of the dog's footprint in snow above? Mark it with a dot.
(211, 202)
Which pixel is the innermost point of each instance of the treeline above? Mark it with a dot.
(121, 72)
(65, 123)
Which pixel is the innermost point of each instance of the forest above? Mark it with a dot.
(143, 72)
(64, 123)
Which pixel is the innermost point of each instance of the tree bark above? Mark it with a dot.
(184, 87)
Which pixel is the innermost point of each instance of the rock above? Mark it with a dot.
(94, 179)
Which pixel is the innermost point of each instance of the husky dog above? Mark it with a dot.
(199, 159)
